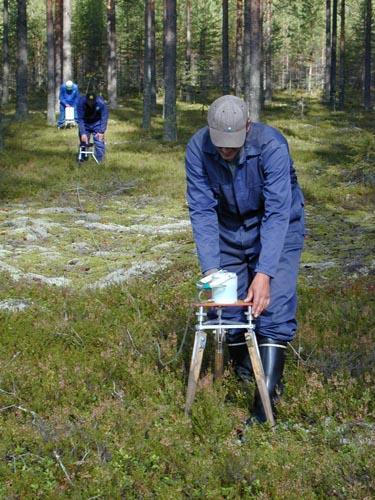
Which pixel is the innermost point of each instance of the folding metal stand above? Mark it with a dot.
(86, 150)
(219, 328)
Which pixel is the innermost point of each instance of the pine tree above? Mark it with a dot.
(239, 48)
(147, 73)
(50, 64)
(170, 65)
(6, 62)
(225, 48)
(112, 60)
(367, 58)
(22, 72)
(342, 57)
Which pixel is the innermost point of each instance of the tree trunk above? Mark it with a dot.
(225, 49)
(268, 52)
(255, 60)
(261, 64)
(67, 46)
(112, 60)
(147, 73)
(310, 77)
(332, 100)
(153, 58)
(367, 68)
(247, 64)
(58, 50)
(170, 126)
(50, 65)
(188, 52)
(21, 75)
(342, 57)
(327, 66)
(239, 50)
(6, 64)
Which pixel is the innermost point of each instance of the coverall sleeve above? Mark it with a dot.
(202, 208)
(62, 96)
(80, 118)
(277, 204)
(103, 117)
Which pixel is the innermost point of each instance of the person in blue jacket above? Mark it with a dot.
(92, 120)
(247, 215)
(69, 95)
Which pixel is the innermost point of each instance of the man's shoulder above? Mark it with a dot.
(200, 141)
(264, 135)
(100, 100)
(267, 132)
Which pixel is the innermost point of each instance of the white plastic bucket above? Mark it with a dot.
(223, 286)
(69, 114)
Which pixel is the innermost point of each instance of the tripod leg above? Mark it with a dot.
(219, 355)
(195, 368)
(260, 379)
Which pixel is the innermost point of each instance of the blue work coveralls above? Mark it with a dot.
(68, 97)
(249, 221)
(93, 122)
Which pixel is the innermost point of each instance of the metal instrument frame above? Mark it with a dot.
(87, 149)
(219, 328)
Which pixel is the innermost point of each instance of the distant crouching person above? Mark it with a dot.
(92, 120)
(69, 96)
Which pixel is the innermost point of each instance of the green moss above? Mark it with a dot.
(82, 371)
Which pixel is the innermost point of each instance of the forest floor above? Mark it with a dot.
(98, 272)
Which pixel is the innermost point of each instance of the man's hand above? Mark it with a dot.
(84, 138)
(99, 136)
(259, 293)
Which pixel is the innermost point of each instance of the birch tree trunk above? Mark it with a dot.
(50, 65)
(5, 77)
(67, 46)
(170, 125)
(367, 73)
(239, 49)
(225, 49)
(327, 66)
(342, 57)
(21, 74)
(112, 60)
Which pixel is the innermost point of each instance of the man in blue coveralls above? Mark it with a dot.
(246, 210)
(92, 119)
(69, 95)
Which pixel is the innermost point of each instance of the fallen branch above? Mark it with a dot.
(58, 459)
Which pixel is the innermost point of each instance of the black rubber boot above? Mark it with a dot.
(240, 359)
(272, 354)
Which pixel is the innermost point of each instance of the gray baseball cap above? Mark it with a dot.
(227, 120)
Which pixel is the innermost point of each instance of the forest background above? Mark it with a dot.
(98, 266)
